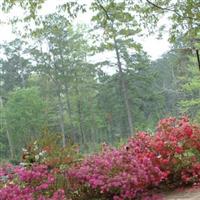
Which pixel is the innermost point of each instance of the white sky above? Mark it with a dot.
(153, 46)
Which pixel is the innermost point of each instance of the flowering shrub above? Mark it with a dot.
(177, 146)
(48, 150)
(22, 183)
(170, 157)
(41, 174)
(118, 174)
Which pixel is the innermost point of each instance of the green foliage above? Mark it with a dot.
(15, 68)
(25, 115)
(184, 17)
(31, 8)
(47, 149)
(54, 82)
(66, 67)
(116, 22)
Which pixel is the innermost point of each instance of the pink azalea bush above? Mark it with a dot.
(175, 148)
(36, 182)
(118, 173)
(41, 174)
(176, 145)
(168, 158)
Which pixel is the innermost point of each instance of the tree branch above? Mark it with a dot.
(198, 58)
(171, 10)
(105, 11)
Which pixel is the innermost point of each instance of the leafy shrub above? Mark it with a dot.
(117, 173)
(170, 157)
(36, 182)
(47, 149)
(41, 174)
(176, 145)
(175, 148)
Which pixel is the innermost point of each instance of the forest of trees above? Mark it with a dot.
(54, 77)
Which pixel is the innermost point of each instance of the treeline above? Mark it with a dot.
(52, 83)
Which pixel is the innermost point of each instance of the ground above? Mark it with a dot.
(189, 194)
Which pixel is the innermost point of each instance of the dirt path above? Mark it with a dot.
(189, 194)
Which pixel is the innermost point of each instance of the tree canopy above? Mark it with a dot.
(95, 83)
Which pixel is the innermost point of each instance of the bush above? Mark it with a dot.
(21, 183)
(176, 145)
(41, 174)
(169, 158)
(47, 149)
(117, 173)
(175, 148)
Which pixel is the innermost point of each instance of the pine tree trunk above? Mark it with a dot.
(80, 117)
(61, 118)
(123, 85)
(124, 88)
(7, 132)
(67, 93)
(80, 121)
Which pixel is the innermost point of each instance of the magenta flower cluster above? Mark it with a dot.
(36, 182)
(121, 174)
(169, 157)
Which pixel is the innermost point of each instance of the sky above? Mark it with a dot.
(154, 47)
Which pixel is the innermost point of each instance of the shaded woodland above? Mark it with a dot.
(56, 78)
